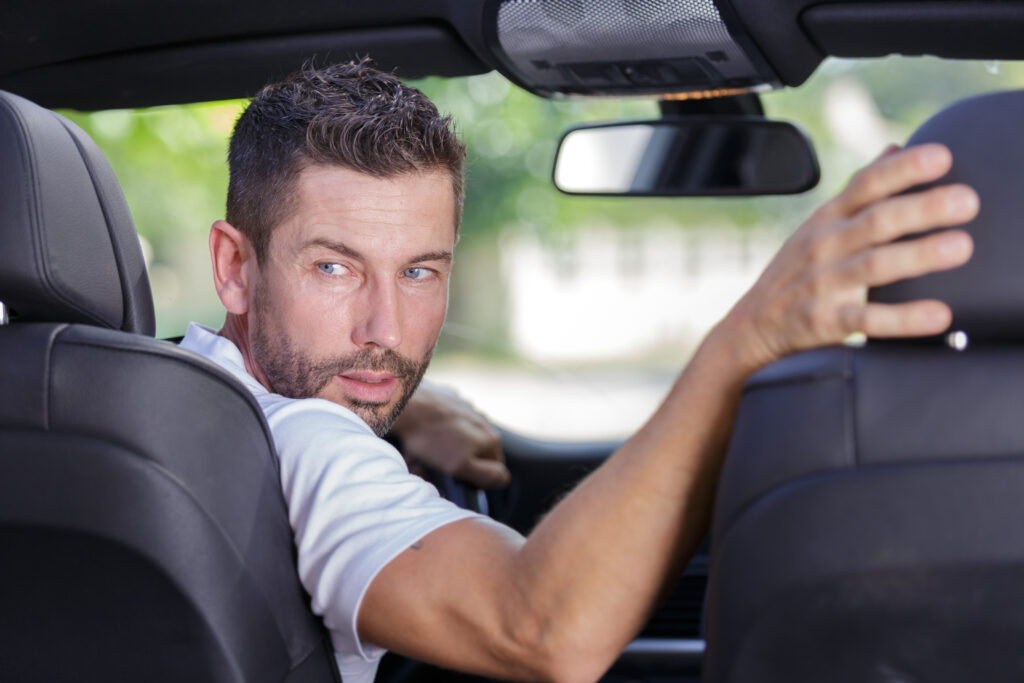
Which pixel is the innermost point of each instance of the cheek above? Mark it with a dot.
(304, 300)
(303, 315)
(424, 323)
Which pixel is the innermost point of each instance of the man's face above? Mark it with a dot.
(350, 300)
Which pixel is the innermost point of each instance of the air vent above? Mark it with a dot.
(681, 614)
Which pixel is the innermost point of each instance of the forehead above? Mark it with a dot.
(416, 209)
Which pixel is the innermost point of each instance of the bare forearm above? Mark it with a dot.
(580, 587)
(596, 565)
(563, 603)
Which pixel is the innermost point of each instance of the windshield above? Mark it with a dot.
(569, 316)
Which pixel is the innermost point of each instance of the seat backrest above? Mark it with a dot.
(868, 521)
(143, 530)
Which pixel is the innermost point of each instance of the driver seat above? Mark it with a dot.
(869, 524)
(144, 533)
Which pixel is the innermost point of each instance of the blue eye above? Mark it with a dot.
(332, 268)
(416, 273)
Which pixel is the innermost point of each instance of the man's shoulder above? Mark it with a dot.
(313, 429)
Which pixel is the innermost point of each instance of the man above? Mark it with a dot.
(333, 264)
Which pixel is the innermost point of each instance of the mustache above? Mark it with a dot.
(383, 360)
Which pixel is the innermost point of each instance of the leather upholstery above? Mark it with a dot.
(867, 525)
(985, 294)
(68, 249)
(144, 532)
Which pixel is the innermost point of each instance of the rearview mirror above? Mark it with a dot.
(686, 156)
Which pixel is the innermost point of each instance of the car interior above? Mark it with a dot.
(864, 526)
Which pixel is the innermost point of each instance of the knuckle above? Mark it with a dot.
(874, 224)
(863, 182)
(823, 323)
(806, 315)
(818, 287)
(816, 315)
(826, 213)
(872, 266)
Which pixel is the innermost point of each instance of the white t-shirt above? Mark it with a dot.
(352, 503)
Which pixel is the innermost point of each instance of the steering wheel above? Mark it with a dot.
(464, 495)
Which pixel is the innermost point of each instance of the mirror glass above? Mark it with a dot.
(687, 157)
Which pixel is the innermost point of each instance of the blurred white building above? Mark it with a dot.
(612, 294)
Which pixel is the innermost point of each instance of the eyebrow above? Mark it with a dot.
(339, 247)
(345, 250)
(444, 256)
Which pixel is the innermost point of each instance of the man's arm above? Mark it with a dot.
(563, 603)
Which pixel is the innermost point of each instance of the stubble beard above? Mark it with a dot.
(296, 375)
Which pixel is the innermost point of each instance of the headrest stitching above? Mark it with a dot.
(24, 147)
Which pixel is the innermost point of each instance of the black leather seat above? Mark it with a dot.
(870, 517)
(143, 533)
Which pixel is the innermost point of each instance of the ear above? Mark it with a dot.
(233, 260)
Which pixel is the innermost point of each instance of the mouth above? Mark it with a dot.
(368, 386)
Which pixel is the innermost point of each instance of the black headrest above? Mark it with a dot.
(986, 294)
(68, 248)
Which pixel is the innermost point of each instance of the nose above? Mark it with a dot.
(379, 317)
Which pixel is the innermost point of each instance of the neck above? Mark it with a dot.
(236, 330)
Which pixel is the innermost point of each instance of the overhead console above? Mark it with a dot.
(613, 47)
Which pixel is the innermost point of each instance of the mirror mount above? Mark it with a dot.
(747, 104)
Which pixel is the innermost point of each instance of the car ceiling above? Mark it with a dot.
(126, 53)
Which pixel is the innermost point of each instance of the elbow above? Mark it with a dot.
(574, 671)
(560, 654)
(569, 669)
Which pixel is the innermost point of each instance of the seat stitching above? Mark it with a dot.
(48, 375)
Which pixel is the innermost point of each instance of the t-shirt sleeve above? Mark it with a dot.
(353, 507)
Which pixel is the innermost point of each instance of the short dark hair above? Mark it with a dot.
(351, 115)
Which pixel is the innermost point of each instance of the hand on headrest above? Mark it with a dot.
(987, 294)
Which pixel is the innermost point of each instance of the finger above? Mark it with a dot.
(490, 443)
(901, 260)
(895, 173)
(922, 318)
(890, 149)
(484, 474)
(885, 221)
